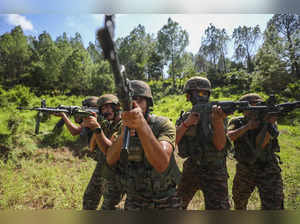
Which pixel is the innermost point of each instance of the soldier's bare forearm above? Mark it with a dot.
(73, 129)
(219, 136)
(114, 151)
(263, 134)
(237, 133)
(180, 131)
(103, 142)
(157, 153)
(92, 143)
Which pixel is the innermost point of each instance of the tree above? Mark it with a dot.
(155, 64)
(133, 51)
(172, 41)
(184, 67)
(102, 79)
(94, 53)
(271, 66)
(213, 49)
(288, 28)
(77, 72)
(77, 41)
(245, 43)
(46, 64)
(14, 55)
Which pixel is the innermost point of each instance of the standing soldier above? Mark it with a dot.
(205, 166)
(257, 163)
(73, 128)
(150, 169)
(104, 180)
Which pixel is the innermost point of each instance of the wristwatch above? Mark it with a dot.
(97, 130)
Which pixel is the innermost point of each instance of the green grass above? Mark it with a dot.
(49, 171)
(45, 180)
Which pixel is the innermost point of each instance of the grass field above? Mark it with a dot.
(51, 171)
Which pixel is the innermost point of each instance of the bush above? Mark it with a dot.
(293, 90)
(19, 95)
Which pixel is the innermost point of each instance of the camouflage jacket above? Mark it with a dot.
(110, 129)
(245, 150)
(141, 178)
(198, 147)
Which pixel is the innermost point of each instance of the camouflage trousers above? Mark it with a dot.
(211, 180)
(268, 180)
(138, 203)
(108, 187)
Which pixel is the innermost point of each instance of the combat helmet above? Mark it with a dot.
(197, 83)
(90, 102)
(108, 99)
(251, 98)
(140, 88)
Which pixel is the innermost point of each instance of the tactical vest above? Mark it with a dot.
(198, 147)
(245, 150)
(140, 177)
(109, 128)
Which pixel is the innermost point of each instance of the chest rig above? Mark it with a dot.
(199, 146)
(139, 176)
(245, 150)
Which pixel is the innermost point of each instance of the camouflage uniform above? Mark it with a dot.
(205, 167)
(145, 187)
(256, 168)
(104, 180)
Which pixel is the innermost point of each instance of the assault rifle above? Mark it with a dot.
(271, 108)
(278, 110)
(76, 111)
(205, 109)
(123, 87)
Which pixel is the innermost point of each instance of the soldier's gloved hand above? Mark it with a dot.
(133, 118)
(192, 119)
(253, 124)
(91, 122)
(218, 114)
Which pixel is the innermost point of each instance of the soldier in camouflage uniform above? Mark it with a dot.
(257, 163)
(149, 167)
(205, 166)
(104, 180)
(73, 128)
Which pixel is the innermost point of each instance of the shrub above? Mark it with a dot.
(19, 95)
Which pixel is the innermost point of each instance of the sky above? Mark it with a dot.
(87, 24)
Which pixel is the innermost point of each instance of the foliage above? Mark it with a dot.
(288, 28)
(172, 41)
(271, 69)
(214, 48)
(245, 42)
(15, 56)
(65, 66)
(293, 90)
(134, 52)
(19, 95)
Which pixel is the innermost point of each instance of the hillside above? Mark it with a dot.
(51, 170)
